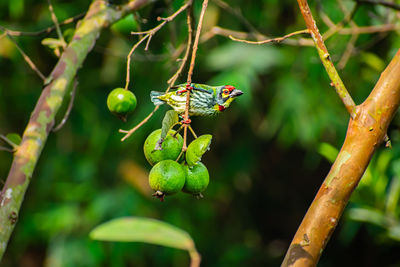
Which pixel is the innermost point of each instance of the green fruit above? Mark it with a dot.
(170, 149)
(197, 179)
(167, 177)
(197, 148)
(121, 102)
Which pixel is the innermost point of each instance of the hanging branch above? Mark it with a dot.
(186, 120)
(99, 16)
(148, 35)
(171, 81)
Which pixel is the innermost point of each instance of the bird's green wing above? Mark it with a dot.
(203, 88)
(198, 87)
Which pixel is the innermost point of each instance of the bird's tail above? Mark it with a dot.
(154, 98)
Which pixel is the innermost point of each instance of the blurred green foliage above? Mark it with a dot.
(265, 163)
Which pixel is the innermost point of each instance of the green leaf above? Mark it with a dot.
(373, 61)
(197, 148)
(328, 151)
(137, 229)
(14, 137)
(368, 215)
(170, 119)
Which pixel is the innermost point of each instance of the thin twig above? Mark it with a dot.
(70, 105)
(131, 131)
(236, 12)
(148, 35)
(196, 42)
(274, 40)
(195, 258)
(47, 30)
(25, 56)
(128, 64)
(348, 51)
(216, 30)
(8, 141)
(351, 44)
(326, 59)
(170, 82)
(370, 29)
(334, 28)
(3, 148)
(56, 24)
(382, 3)
(190, 73)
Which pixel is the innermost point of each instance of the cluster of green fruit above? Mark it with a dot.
(174, 171)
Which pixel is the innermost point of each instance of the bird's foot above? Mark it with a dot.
(188, 88)
(188, 121)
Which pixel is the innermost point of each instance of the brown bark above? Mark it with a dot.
(365, 133)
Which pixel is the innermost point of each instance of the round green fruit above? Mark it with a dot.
(197, 179)
(170, 149)
(121, 102)
(167, 177)
(197, 148)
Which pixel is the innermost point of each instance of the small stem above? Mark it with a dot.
(148, 35)
(171, 81)
(56, 24)
(190, 73)
(382, 3)
(326, 59)
(195, 258)
(8, 141)
(3, 148)
(274, 40)
(128, 64)
(193, 133)
(131, 131)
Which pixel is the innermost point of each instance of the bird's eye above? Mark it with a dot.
(225, 92)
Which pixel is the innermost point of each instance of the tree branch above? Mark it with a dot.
(325, 58)
(365, 133)
(99, 16)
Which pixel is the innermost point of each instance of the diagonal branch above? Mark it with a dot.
(99, 16)
(326, 59)
(364, 135)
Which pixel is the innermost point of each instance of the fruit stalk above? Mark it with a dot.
(100, 15)
(190, 72)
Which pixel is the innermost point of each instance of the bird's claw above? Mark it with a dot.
(188, 121)
(188, 88)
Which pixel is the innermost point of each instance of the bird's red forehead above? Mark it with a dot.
(230, 87)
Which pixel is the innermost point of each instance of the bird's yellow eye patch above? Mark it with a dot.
(225, 93)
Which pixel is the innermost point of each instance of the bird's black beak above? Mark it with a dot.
(236, 93)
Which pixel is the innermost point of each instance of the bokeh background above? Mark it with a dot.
(271, 150)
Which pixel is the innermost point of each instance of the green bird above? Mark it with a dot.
(205, 100)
